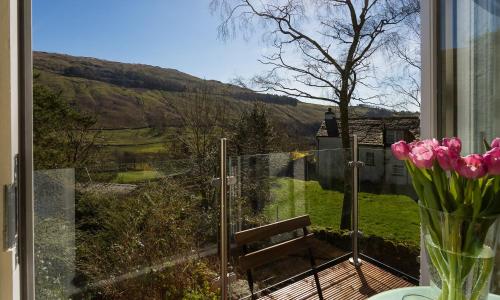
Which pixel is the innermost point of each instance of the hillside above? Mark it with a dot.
(125, 96)
(132, 95)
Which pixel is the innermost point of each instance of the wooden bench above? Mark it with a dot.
(249, 260)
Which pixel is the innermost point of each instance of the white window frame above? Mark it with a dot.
(428, 109)
(428, 121)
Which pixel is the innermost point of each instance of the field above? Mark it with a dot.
(392, 217)
(136, 176)
(126, 136)
(135, 140)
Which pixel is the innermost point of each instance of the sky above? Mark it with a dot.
(179, 34)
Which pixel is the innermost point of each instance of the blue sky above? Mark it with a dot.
(180, 34)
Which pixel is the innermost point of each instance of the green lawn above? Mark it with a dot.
(392, 217)
(136, 176)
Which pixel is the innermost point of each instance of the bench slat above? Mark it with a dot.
(271, 253)
(267, 231)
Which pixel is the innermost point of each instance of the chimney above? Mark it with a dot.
(331, 124)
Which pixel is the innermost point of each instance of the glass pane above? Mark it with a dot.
(125, 231)
(277, 187)
(470, 68)
(388, 211)
(470, 73)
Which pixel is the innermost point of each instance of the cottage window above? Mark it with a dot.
(370, 159)
(392, 136)
(398, 170)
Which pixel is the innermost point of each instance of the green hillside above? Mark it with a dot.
(136, 98)
(133, 95)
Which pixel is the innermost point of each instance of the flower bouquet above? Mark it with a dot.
(459, 209)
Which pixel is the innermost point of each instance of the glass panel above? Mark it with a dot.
(279, 186)
(55, 243)
(470, 73)
(388, 211)
(470, 68)
(125, 231)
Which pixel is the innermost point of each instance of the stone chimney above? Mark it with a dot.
(331, 124)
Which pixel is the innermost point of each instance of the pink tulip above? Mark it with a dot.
(472, 166)
(422, 156)
(400, 150)
(495, 143)
(492, 161)
(454, 144)
(443, 157)
(430, 143)
(454, 157)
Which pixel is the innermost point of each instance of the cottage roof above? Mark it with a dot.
(370, 131)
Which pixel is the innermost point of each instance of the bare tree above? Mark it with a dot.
(203, 120)
(319, 50)
(406, 51)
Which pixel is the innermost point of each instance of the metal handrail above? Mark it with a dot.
(223, 219)
(355, 164)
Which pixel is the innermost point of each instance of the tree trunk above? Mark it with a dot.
(345, 221)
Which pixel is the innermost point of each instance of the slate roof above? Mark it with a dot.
(370, 131)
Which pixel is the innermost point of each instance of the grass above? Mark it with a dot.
(392, 217)
(131, 136)
(138, 149)
(136, 176)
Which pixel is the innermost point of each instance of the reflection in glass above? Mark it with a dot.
(469, 74)
(470, 70)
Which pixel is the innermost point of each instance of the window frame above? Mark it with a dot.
(429, 114)
(26, 213)
(428, 121)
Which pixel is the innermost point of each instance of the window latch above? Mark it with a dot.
(11, 213)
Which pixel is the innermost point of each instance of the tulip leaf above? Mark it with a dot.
(486, 145)
(430, 197)
(476, 196)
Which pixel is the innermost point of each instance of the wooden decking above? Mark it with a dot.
(342, 282)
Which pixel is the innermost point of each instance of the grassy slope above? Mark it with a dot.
(392, 217)
(136, 176)
(119, 106)
(123, 95)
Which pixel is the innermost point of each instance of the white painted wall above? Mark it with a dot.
(9, 270)
(330, 164)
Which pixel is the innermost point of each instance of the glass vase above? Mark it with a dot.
(460, 250)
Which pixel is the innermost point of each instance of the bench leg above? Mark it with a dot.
(316, 278)
(250, 283)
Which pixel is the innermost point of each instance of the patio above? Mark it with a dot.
(343, 281)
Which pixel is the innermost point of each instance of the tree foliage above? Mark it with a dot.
(203, 120)
(141, 246)
(62, 135)
(255, 132)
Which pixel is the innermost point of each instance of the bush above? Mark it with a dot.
(142, 245)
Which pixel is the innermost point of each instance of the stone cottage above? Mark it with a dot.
(375, 136)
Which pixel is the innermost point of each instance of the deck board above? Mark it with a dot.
(342, 282)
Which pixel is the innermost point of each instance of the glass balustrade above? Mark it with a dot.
(127, 231)
(275, 187)
(152, 229)
(388, 211)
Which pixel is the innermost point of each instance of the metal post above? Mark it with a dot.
(355, 174)
(223, 218)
